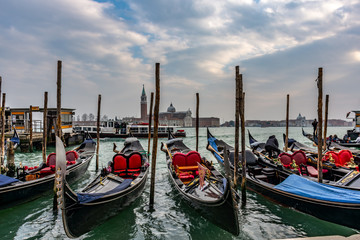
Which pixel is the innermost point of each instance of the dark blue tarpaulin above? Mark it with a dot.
(5, 180)
(89, 197)
(301, 186)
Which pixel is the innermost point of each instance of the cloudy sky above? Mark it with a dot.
(111, 47)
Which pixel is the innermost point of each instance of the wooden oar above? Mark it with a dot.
(212, 149)
(168, 151)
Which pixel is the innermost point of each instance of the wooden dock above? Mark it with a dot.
(70, 139)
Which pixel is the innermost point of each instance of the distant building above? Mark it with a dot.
(173, 118)
(207, 122)
(300, 121)
(143, 106)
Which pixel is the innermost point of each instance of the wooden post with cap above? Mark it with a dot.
(58, 100)
(237, 122)
(243, 155)
(30, 130)
(98, 132)
(326, 119)
(197, 121)
(45, 127)
(319, 130)
(155, 136)
(287, 123)
(2, 143)
(150, 120)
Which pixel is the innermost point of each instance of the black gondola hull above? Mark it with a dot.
(222, 213)
(81, 218)
(340, 213)
(17, 194)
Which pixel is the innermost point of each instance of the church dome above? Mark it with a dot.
(171, 109)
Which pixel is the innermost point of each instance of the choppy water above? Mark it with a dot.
(172, 218)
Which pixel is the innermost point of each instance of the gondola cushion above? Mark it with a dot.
(47, 171)
(192, 158)
(344, 157)
(334, 155)
(285, 159)
(51, 159)
(313, 172)
(119, 163)
(299, 157)
(179, 159)
(71, 156)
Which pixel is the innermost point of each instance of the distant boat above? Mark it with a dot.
(109, 129)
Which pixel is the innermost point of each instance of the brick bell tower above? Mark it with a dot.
(143, 104)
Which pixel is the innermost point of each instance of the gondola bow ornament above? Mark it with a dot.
(60, 172)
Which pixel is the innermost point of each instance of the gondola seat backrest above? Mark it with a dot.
(334, 156)
(299, 157)
(192, 158)
(50, 165)
(188, 162)
(285, 159)
(344, 157)
(119, 164)
(71, 157)
(134, 163)
(127, 165)
(179, 159)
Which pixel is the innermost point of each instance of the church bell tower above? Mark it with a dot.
(143, 104)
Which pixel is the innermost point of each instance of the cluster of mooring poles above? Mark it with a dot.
(321, 143)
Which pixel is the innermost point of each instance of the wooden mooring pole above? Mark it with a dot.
(150, 120)
(58, 113)
(155, 136)
(237, 122)
(326, 119)
(45, 127)
(287, 123)
(2, 140)
(98, 132)
(197, 121)
(243, 155)
(30, 130)
(319, 130)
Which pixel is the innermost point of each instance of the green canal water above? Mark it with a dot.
(172, 218)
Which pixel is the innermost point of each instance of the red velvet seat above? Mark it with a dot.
(51, 164)
(119, 164)
(285, 159)
(179, 159)
(192, 158)
(134, 164)
(71, 156)
(344, 157)
(299, 157)
(127, 166)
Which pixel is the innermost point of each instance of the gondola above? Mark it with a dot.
(30, 184)
(118, 185)
(339, 169)
(214, 198)
(344, 144)
(330, 203)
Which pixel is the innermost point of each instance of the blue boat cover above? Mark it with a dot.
(301, 186)
(89, 197)
(212, 143)
(5, 180)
